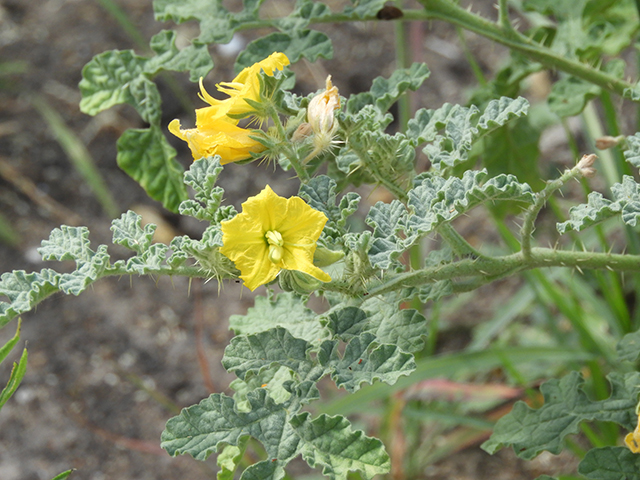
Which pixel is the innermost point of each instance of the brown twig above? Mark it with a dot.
(37, 196)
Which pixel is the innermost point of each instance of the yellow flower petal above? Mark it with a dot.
(273, 233)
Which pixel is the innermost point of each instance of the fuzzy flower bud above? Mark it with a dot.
(320, 115)
(603, 143)
(585, 165)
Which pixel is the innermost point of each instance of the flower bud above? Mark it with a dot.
(603, 143)
(321, 107)
(585, 165)
(324, 257)
(297, 282)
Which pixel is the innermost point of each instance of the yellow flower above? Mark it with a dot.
(273, 233)
(216, 132)
(632, 440)
(220, 137)
(246, 86)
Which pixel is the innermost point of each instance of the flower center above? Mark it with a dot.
(275, 241)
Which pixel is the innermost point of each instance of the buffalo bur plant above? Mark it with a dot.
(378, 284)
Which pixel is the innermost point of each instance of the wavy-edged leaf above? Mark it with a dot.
(128, 232)
(570, 95)
(67, 243)
(331, 443)
(610, 463)
(285, 310)
(276, 380)
(632, 154)
(253, 353)
(365, 361)
(202, 176)
(309, 44)
(626, 202)
(385, 92)
(195, 57)
(320, 194)
(628, 348)
(596, 210)
(265, 470)
(380, 317)
(217, 24)
(566, 404)
(204, 428)
(303, 13)
(461, 127)
(25, 290)
(229, 459)
(387, 220)
(435, 200)
(145, 154)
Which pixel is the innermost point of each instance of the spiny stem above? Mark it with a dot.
(302, 173)
(541, 198)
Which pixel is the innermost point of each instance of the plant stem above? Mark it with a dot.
(297, 165)
(533, 211)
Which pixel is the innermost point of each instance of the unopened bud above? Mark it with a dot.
(323, 257)
(302, 132)
(607, 141)
(585, 165)
(321, 107)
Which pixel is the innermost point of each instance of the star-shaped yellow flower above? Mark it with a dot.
(273, 233)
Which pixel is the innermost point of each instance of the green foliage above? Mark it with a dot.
(18, 370)
(566, 405)
(609, 463)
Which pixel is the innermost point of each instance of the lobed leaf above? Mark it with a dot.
(462, 128)
(566, 405)
(128, 232)
(365, 361)
(570, 95)
(331, 443)
(309, 44)
(320, 194)
(25, 290)
(204, 428)
(67, 243)
(255, 353)
(148, 158)
(610, 463)
(286, 310)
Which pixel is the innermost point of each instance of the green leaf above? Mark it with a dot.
(365, 361)
(64, 475)
(217, 24)
(513, 149)
(148, 158)
(285, 310)
(277, 380)
(385, 92)
(364, 8)
(628, 348)
(309, 44)
(632, 154)
(106, 78)
(304, 12)
(128, 232)
(331, 443)
(229, 458)
(204, 428)
(25, 291)
(435, 200)
(7, 347)
(388, 220)
(254, 353)
(67, 243)
(566, 404)
(570, 95)
(382, 318)
(320, 194)
(17, 374)
(626, 201)
(265, 470)
(195, 58)
(610, 463)
(462, 128)
(202, 176)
